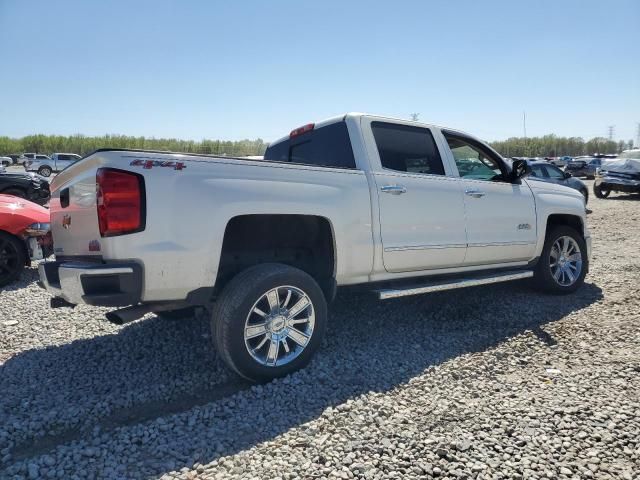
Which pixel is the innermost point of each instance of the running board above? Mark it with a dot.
(451, 284)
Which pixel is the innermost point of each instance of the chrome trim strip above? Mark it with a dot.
(499, 244)
(453, 284)
(455, 245)
(424, 247)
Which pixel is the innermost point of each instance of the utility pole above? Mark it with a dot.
(414, 117)
(611, 131)
(638, 137)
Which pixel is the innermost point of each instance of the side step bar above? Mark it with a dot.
(451, 284)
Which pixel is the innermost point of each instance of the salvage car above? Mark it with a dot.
(6, 161)
(397, 207)
(620, 175)
(25, 185)
(545, 172)
(584, 166)
(24, 236)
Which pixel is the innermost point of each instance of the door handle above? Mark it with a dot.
(394, 189)
(475, 193)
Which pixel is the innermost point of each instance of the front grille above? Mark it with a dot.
(628, 176)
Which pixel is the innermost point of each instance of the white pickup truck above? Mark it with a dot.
(403, 207)
(45, 165)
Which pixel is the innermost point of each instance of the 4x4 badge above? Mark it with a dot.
(524, 226)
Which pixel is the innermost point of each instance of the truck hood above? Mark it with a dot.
(16, 214)
(544, 187)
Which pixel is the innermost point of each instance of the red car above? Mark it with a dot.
(24, 236)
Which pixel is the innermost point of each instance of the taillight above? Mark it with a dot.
(302, 130)
(120, 202)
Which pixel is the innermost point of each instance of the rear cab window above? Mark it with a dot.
(405, 148)
(326, 146)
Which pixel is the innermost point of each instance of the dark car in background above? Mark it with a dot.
(546, 172)
(584, 166)
(25, 185)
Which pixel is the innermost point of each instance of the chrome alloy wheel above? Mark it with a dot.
(279, 326)
(565, 261)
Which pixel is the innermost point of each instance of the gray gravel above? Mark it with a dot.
(491, 383)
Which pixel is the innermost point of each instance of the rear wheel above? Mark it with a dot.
(601, 192)
(269, 321)
(12, 258)
(44, 171)
(563, 263)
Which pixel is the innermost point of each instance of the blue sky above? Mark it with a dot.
(247, 69)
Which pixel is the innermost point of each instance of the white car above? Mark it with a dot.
(45, 165)
(5, 161)
(400, 207)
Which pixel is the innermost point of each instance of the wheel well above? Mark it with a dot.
(302, 241)
(563, 219)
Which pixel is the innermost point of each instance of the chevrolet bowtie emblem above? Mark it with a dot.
(66, 222)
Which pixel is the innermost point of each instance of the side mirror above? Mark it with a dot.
(519, 169)
(567, 175)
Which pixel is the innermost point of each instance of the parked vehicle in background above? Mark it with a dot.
(584, 166)
(31, 157)
(559, 161)
(25, 185)
(24, 236)
(6, 161)
(545, 172)
(620, 175)
(55, 163)
(404, 207)
(14, 157)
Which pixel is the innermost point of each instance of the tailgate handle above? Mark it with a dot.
(64, 198)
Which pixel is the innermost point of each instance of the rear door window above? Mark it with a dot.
(405, 148)
(327, 146)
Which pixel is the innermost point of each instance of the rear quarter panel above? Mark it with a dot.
(187, 212)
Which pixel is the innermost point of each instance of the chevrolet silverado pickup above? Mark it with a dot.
(395, 206)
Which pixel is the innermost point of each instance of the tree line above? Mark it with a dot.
(83, 145)
(553, 146)
(546, 146)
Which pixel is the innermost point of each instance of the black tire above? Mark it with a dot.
(179, 314)
(16, 192)
(543, 277)
(601, 192)
(12, 258)
(45, 171)
(237, 300)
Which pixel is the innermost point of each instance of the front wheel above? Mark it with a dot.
(601, 192)
(563, 263)
(44, 171)
(12, 258)
(269, 321)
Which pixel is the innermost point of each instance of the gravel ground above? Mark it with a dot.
(491, 382)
